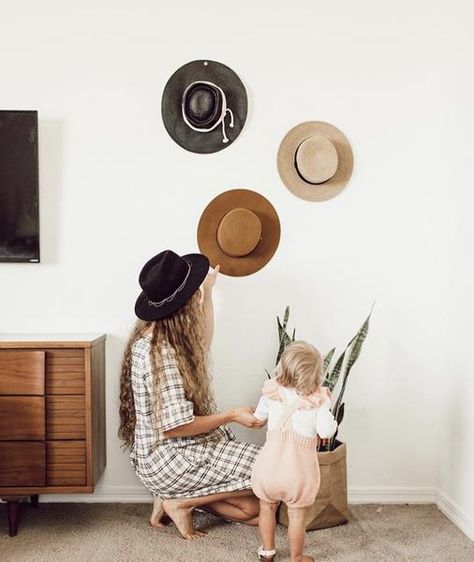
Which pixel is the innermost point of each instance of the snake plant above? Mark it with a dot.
(331, 374)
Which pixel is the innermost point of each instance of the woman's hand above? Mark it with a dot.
(210, 280)
(245, 417)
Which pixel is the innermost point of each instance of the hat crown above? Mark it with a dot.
(202, 104)
(316, 159)
(239, 232)
(163, 275)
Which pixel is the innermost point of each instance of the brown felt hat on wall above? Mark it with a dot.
(315, 161)
(240, 231)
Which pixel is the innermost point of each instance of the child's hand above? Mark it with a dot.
(245, 417)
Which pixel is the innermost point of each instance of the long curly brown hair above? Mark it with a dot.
(184, 331)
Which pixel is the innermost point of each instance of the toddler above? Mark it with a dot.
(296, 407)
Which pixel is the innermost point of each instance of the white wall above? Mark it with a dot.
(456, 453)
(115, 190)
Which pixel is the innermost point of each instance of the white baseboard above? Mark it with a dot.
(452, 512)
(391, 495)
(138, 494)
(104, 494)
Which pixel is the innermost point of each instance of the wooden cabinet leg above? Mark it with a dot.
(12, 510)
(34, 500)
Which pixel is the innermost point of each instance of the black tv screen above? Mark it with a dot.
(19, 199)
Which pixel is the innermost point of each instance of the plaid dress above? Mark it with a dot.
(198, 465)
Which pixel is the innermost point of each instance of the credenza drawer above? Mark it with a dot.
(22, 464)
(22, 372)
(65, 371)
(22, 418)
(65, 417)
(66, 463)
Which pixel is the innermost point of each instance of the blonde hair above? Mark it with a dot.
(184, 331)
(300, 367)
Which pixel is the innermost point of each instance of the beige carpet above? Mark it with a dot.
(119, 532)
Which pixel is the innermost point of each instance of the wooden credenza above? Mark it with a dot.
(52, 416)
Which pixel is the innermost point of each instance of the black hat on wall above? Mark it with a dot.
(204, 106)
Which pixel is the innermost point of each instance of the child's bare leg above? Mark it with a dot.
(267, 524)
(240, 509)
(296, 534)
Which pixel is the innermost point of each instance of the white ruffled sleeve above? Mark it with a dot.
(261, 411)
(325, 422)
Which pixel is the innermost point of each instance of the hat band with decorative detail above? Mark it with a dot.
(220, 121)
(158, 304)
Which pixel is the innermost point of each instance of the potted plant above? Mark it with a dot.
(331, 506)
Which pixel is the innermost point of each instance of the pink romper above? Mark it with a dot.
(287, 467)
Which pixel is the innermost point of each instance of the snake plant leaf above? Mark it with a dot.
(327, 360)
(340, 417)
(340, 414)
(293, 335)
(333, 376)
(359, 339)
(285, 317)
(284, 338)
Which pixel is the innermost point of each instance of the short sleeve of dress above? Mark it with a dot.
(176, 410)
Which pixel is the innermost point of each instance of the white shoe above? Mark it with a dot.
(266, 554)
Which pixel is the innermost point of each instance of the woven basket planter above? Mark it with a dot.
(330, 507)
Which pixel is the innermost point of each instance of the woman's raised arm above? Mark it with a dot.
(207, 304)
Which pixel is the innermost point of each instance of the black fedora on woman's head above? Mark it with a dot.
(204, 106)
(168, 281)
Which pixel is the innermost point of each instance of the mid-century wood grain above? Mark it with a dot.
(53, 341)
(7, 491)
(22, 463)
(22, 418)
(65, 417)
(70, 455)
(22, 372)
(65, 371)
(65, 463)
(97, 407)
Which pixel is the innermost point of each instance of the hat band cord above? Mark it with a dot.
(221, 119)
(158, 304)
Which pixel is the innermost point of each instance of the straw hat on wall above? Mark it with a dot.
(315, 161)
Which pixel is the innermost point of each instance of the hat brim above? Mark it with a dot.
(212, 216)
(289, 173)
(199, 269)
(236, 95)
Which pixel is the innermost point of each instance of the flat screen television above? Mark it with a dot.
(19, 198)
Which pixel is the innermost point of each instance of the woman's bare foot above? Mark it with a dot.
(304, 559)
(157, 513)
(181, 516)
